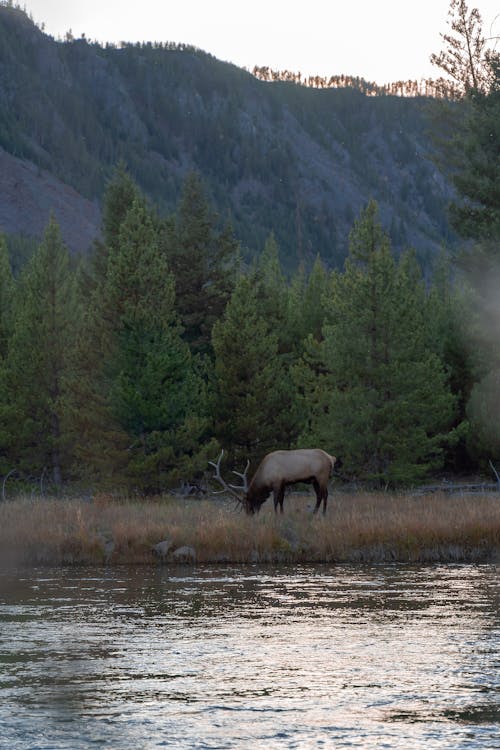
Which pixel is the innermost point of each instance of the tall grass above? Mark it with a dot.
(367, 527)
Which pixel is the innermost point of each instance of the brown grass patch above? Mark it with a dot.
(367, 527)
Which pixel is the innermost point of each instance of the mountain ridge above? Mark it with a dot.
(275, 156)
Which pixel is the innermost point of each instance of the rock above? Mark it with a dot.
(185, 554)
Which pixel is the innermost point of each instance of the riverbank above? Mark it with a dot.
(361, 528)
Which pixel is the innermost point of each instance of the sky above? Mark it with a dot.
(379, 40)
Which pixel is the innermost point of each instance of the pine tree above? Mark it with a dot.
(480, 324)
(156, 395)
(254, 407)
(472, 152)
(313, 310)
(380, 396)
(39, 360)
(6, 321)
(270, 285)
(472, 157)
(477, 178)
(100, 442)
(203, 262)
(279, 303)
(120, 194)
(145, 391)
(463, 56)
(6, 297)
(447, 313)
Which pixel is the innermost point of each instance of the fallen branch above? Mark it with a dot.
(455, 489)
(496, 474)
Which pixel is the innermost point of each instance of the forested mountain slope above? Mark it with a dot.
(275, 156)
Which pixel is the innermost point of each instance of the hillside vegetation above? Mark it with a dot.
(277, 156)
(131, 367)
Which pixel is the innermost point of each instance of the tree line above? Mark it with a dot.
(438, 88)
(131, 367)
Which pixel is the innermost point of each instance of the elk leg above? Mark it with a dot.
(325, 498)
(319, 495)
(279, 494)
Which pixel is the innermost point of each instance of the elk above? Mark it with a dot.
(278, 470)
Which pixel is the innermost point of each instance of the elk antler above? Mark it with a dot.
(229, 487)
(243, 477)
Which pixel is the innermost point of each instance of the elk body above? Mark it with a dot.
(280, 469)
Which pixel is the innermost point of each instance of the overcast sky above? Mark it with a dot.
(380, 40)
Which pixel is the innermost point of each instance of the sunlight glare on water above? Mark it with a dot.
(244, 657)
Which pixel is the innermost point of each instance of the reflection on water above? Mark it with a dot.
(244, 657)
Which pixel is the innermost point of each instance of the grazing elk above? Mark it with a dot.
(277, 471)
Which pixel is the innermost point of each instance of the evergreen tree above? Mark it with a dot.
(447, 306)
(312, 305)
(100, 442)
(480, 324)
(203, 262)
(380, 397)
(146, 388)
(463, 56)
(275, 303)
(473, 159)
(158, 398)
(38, 363)
(6, 296)
(255, 408)
(120, 194)
(270, 285)
(6, 319)
(472, 153)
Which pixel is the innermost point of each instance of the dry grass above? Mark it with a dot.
(366, 527)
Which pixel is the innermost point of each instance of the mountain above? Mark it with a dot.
(27, 196)
(276, 156)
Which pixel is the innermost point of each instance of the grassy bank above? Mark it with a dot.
(366, 527)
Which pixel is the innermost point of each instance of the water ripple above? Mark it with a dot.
(226, 657)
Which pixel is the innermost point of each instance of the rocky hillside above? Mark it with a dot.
(275, 156)
(27, 196)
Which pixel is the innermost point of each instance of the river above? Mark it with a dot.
(132, 658)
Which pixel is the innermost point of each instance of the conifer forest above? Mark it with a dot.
(132, 365)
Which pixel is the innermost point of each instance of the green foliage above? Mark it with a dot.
(38, 362)
(480, 320)
(271, 290)
(472, 153)
(353, 362)
(472, 156)
(380, 398)
(478, 176)
(21, 248)
(203, 261)
(153, 403)
(121, 192)
(6, 297)
(463, 56)
(254, 402)
(273, 155)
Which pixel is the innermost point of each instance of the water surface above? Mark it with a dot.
(244, 657)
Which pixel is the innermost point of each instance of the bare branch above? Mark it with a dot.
(495, 473)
